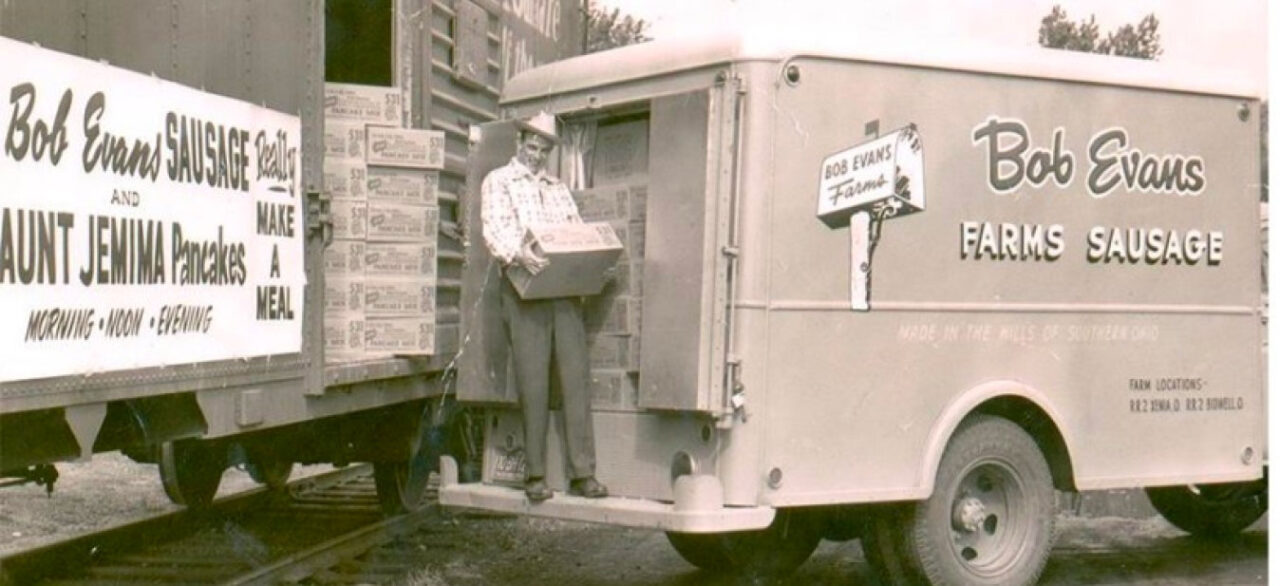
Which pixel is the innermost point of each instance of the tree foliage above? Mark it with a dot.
(1057, 31)
(608, 29)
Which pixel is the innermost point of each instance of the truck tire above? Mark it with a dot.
(773, 552)
(190, 471)
(702, 550)
(884, 546)
(990, 518)
(844, 523)
(1211, 510)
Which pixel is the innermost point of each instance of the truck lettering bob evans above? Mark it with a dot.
(1112, 163)
(1072, 244)
(1036, 168)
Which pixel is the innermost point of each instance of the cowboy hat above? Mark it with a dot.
(543, 124)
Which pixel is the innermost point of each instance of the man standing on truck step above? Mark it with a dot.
(514, 197)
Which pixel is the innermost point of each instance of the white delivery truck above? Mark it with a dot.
(894, 293)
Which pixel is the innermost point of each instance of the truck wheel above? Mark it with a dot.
(990, 518)
(703, 550)
(884, 546)
(772, 552)
(1211, 510)
(190, 471)
(844, 523)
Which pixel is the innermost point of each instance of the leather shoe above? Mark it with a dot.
(588, 487)
(537, 490)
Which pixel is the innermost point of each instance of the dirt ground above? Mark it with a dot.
(465, 548)
(473, 550)
(108, 490)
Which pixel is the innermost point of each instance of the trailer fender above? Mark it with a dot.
(1016, 401)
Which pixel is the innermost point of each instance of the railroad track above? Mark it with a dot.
(323, 529)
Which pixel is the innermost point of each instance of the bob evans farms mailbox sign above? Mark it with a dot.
(142, 223)
(883, 177)
(888, 170)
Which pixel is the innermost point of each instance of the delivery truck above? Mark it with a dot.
(893, 291)
(228, 230)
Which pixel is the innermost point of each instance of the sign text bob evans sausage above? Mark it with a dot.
(142, 223)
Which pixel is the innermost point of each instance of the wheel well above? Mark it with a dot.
(1032, 419)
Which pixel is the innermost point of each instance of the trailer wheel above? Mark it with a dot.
(400, 489)
(190, 471)
(1211, 510)
(403, 485)
(269, 471)
(990, 518)
(772, 552)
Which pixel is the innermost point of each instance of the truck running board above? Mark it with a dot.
(629, 512)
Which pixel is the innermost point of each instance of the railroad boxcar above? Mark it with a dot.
(185, 142)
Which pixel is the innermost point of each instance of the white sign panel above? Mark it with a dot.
(889, 169)
(142, 223)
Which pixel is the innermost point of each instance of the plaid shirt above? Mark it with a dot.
(512, 198)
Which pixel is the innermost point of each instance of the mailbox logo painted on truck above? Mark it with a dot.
(142, 223)
(886, 171)
(860, 187)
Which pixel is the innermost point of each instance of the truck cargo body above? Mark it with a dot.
(446, 62)
(1079, 256)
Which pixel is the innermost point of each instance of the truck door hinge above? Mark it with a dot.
(737, 392)
(736, 80)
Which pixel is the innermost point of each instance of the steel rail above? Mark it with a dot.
(33, 565)
(300, 565)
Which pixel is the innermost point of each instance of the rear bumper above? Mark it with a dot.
(694, 513)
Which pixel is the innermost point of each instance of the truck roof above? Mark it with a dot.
(739, 44)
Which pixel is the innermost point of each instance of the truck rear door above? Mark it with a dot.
(689, 250)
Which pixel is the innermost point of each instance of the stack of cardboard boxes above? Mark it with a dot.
(619, 177)
(380, 270)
